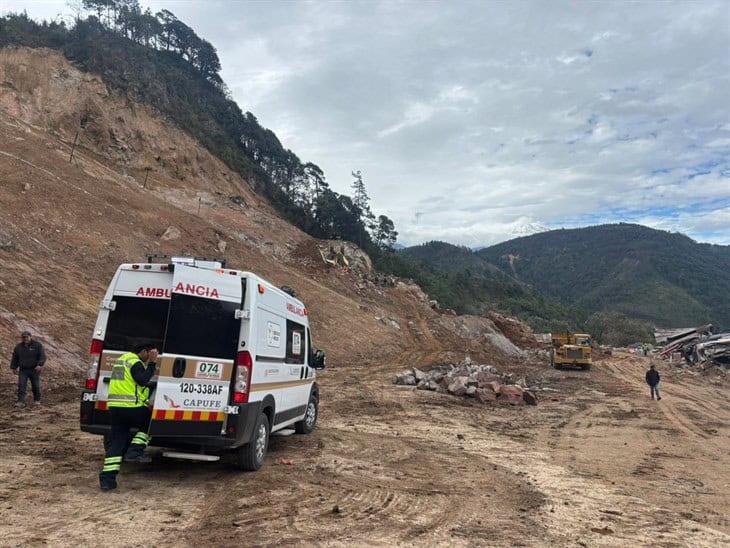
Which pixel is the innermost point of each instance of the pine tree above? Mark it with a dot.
(385, 233)
(360, 196)
(361, 201)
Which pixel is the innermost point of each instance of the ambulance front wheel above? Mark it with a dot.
(250, 457)
(307, 424)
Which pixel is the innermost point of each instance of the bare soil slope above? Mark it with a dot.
(594, 463)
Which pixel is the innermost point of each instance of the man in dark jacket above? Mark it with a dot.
(28, 359)
(652, 379)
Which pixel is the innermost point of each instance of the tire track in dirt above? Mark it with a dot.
(670, 409)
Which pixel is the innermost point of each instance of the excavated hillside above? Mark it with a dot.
(69, 223)
(387, 464)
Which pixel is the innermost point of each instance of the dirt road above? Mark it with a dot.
(596, 463)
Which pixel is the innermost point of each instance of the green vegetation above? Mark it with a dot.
(616, 329)
(614, 281)
(460, 279)
(658, 277)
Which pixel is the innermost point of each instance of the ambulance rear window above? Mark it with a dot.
(135, 321)
(202, 327)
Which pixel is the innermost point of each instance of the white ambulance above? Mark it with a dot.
(236, 357)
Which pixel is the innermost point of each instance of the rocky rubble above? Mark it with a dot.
(481, 382)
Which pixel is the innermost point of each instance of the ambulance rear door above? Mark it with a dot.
(138, 314)
(197, 362)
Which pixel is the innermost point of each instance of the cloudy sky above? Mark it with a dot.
(473, 122)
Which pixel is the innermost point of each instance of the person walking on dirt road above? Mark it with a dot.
(27, 362)
(128, 403)
(652, 379)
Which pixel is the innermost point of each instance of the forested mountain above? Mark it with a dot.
(448, 257)
(462, 280)
(616, 281)
(664, 278)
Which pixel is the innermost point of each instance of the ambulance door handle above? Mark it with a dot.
(178, 367)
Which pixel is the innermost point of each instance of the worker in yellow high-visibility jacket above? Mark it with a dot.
(129, 409)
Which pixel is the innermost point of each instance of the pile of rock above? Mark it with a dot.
(481, 382)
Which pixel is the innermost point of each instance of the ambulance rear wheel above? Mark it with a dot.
(307, 424)
(250, 457)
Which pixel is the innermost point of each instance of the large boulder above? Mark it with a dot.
(418, 374)
(172, 233)
(405, 379)
(511, 394)
(483, 378)
(427, 384)
(458, 386)
(484, 395)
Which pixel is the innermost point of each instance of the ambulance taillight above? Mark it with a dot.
(242, 386)
(95, 356)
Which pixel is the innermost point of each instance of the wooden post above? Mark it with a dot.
(73, 148)
(199, 200)
(146, 174)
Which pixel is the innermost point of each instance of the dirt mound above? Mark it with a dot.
(482, 331)
(516, 331)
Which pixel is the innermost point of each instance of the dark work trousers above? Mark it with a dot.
(124, 419)
(24, 375)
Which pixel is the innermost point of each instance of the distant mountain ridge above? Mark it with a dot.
(459, 278)
(664, 278)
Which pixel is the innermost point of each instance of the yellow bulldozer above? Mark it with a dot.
(570, 349)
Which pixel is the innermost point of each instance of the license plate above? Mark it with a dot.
(191, 395)
(201, 388)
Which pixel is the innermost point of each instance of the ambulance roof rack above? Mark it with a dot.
(288, 290)
(201, 262)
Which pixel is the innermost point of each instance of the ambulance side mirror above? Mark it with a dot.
(319, 360)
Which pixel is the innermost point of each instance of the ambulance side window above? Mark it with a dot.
(295, 346)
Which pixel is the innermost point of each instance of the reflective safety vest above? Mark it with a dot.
(123, 389)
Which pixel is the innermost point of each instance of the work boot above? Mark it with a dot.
(20, 404)
(659, 398)
(135, 453)
(36, 403)
(107, 483)
(141, 459)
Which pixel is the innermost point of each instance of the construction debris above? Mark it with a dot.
(481, 382)
(714, 350)
(698, 346)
